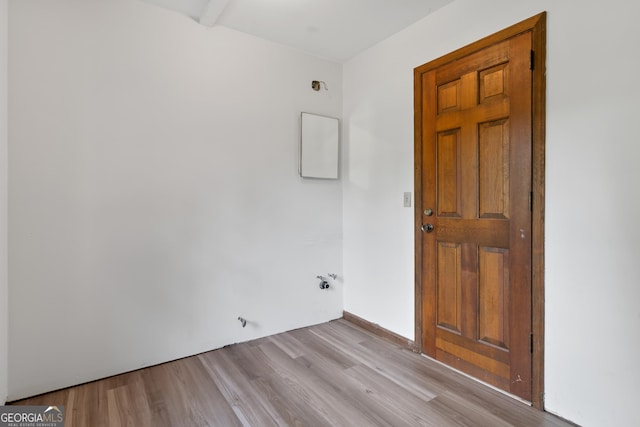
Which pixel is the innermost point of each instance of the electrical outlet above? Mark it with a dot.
(407, 199)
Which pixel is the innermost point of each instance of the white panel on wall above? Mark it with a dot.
(319, 146)
(593, 319)
(154, 190)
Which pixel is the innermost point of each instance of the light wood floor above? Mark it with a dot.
(334, 374)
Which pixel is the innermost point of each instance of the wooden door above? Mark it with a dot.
(474, 222)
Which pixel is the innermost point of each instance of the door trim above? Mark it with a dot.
(537, 26)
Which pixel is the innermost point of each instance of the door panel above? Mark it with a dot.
(493, 296)
(448, 152)
(449, 286)
(493, 161)
(475, 131)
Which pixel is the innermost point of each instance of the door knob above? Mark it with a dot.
(427, 228)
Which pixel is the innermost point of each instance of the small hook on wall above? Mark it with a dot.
(316, 84)
(243, 321)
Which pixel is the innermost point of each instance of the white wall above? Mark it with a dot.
(4, 306)
(153, 190)
(593, 200)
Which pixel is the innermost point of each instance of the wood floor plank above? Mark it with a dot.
(383, 395)
(333, 374)
(251, 408)
(346, 389)
(363, 387)
(252, 362)
(353, 393)
(312, 344)
(453, 407)
(318, 394)
(127, 406)
(287, 344)
(408, 376)
(153, 380)
(202, 402)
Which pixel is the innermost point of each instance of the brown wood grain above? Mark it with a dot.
(539, 34)
(379, 331)
(333, 374)
(493, 233)
(489, 94)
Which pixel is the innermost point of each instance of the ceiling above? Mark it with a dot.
(331, 29)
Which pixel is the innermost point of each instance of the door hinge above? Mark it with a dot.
(533, 60)
(531, 201)
(531, 344)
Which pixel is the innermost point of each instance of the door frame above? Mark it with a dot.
(537, 26)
